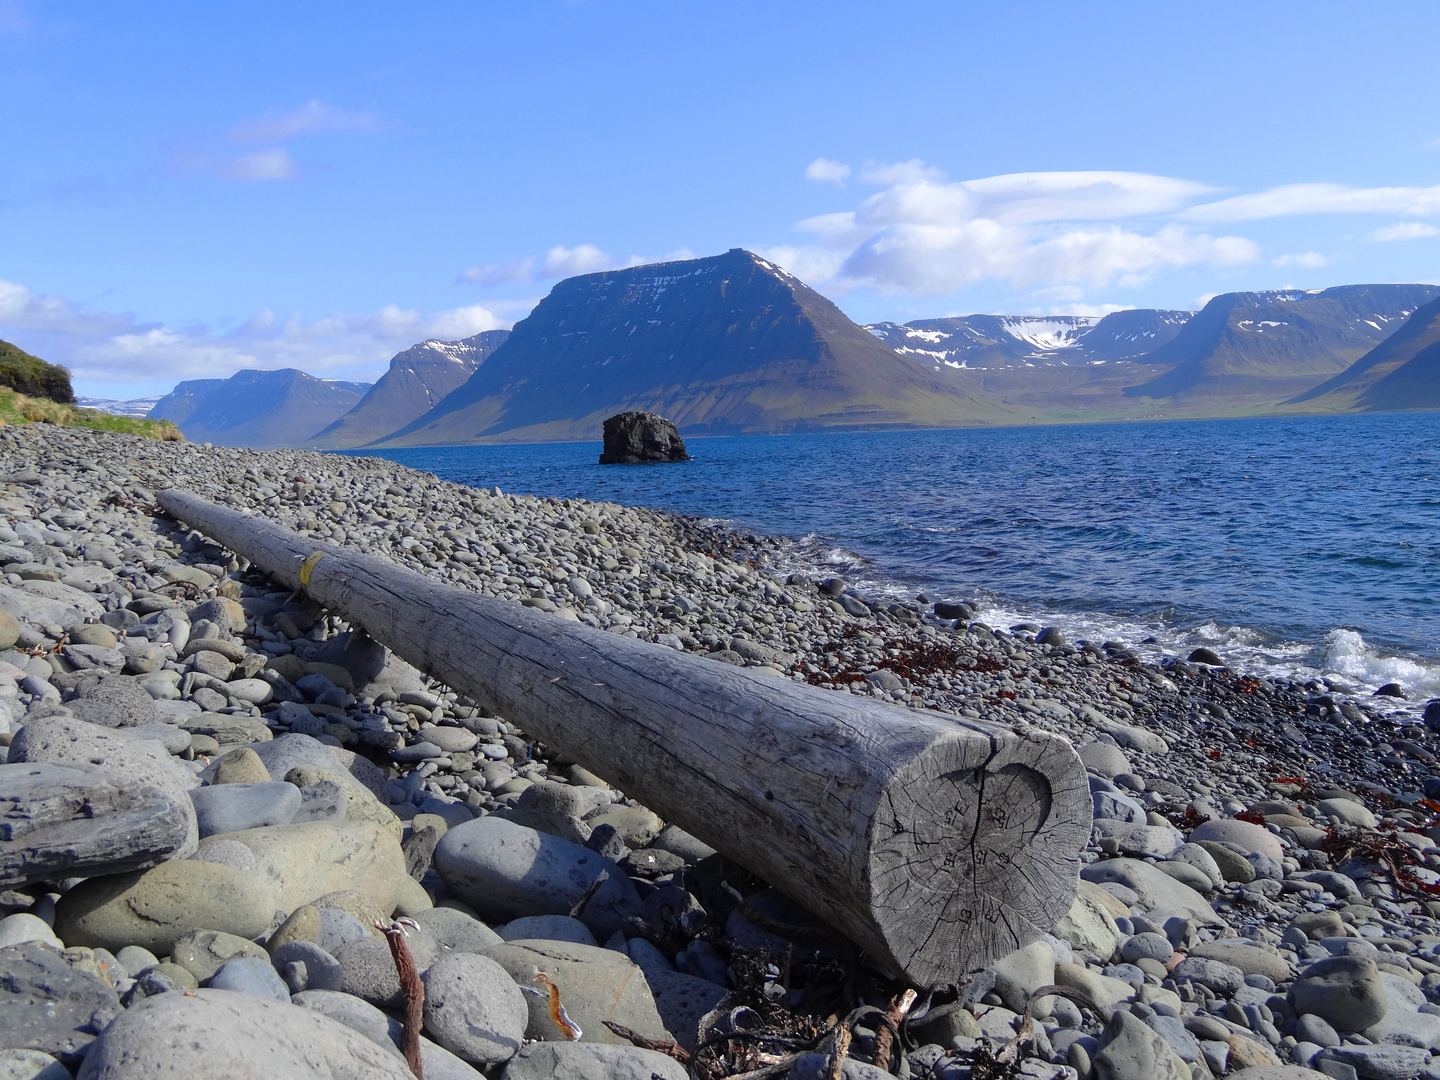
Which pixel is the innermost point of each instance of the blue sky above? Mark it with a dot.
(190, 189)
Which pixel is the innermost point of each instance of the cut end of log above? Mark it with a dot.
(971, 859)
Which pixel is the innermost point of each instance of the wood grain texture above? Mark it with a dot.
(936, 843)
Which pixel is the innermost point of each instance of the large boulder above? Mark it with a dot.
(506, 870)
(282, 756)
(474, 1009)
(222, 1035)
(66, 821)
(1154, 887)
(52, 1001)
(595, 985)
(309, 859)
(155, 908)
(1345, 991)
(116, 701)
(226, 808)
(64, 740)
(639, 438)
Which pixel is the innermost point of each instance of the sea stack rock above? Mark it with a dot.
(639, 438)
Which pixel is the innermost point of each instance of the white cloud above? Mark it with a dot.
(499, 273)
(678, 255)
(119, 348)
(824, 171)
(1309, 259)
(313, 117)
(901, 172)
(275, 164)
(1405, 230)
(561, 261)
(1292, 199)
(928, 236)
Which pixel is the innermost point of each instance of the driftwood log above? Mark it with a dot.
(935, 843)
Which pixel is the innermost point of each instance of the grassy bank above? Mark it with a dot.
(22, 409)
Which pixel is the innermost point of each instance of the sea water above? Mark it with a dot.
(1305, 547)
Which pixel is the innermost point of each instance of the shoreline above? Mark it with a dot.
(231, 668)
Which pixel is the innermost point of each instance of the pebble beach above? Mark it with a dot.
(217, 800)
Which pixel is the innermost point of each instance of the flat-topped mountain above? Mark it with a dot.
(1269, 346)
(1005, 341)
(261, 409)
(1402, 372)
(419, 379)
(728, 344)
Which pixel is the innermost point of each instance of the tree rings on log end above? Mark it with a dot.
(971, 859)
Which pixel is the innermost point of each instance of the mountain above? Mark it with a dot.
(136, 407)
(1261, 347)
(418, 379)
(260, 409)
(1004, 341)
(729, 344)
(1402, 372)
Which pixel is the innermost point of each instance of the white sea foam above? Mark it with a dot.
(1342, 656)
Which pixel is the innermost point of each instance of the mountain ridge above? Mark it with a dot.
(1402, 372)
(262, 409)
(418, 379)
(761, 351)
(1275, 344)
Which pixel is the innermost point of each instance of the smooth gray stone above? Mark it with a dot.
(420, 751)
(355, 1014)
(50, 1003)
(1218, 976)
(1153, 888)
(547, 928)
(204, 952)
(116, 701)
(174, 739)
(1116, 806)
(474, 1009)
(30, 1065)
(507, 870)
(227, 853)
(1130, 1050)
(322, 971)
(219, 1035)
(369, 968)
(1316, 1029)
(1150, 946)
(1105, 758)
(593, 1061)
(681, 1000)
(72, 820)
(677, 841)
(134, 959)
(339, 928)
(1172, 1030)
(1345, 991)
(1382, 1062)
(66, 741)
(224, 808)
(324, 801)
(457, 931)
(250, 975)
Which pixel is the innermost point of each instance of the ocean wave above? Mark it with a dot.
(1341, 658)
